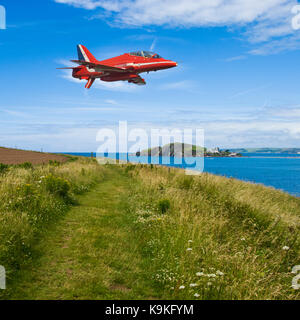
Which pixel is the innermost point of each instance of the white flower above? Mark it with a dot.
(211, 275)
(190, 241)
(196, 295)
(192, 285)
(286, 248)
(172, 288)
(219, 273)
(243, 239)
(199, 274)
(189, 249)
(181, 287)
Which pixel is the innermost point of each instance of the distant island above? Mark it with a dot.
(267, 150)
(178, 149)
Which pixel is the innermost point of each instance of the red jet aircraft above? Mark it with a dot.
(126, 67)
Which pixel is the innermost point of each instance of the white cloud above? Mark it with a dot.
(111, 101)
(111, 86)
(185, 85)
(260, 127)
(112, 5)
(260, 20)
(237, 58)
(246, 92)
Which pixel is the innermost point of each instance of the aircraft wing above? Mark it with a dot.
(138, 80)
(99, 66)
(71, 68)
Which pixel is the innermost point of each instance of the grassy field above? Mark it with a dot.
(84, 231)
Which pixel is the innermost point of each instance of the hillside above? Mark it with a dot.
(15, 156)
(183, 149)
(267, 150)
(144, 232)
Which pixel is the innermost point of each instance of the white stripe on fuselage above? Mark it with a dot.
(99, 70)
(131, 64)
(148, 63)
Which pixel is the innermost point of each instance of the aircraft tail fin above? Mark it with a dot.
(84, 54)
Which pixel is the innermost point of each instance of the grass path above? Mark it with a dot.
(90, 254)
(218, 239)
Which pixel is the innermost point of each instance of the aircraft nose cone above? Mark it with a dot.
(173, 64)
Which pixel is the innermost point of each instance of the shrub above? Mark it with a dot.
(185, 182)
(164, 205)
(129, 167)
(3, 168)
(26, 165)
(54, 163)
(27, 190)
(161, 186)
(71, 158)
(57, 186)
(15, 239)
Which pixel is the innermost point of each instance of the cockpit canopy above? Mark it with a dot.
(146, 54)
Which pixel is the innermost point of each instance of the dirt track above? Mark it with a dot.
(14, 156)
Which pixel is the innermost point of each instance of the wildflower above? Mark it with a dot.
(219, 273)
(189, 249)
(211, 275)
(243, 239)
(190, 241)
(181, 287)
(192, 285)
(286, 248)
(199, 274)
(196, 295)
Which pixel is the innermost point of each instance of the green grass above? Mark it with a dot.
(90, 254)
(33, 198)
(146, 232)
(221, 239)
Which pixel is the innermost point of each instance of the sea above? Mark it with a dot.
(281, 171)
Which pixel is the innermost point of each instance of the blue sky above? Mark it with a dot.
(238, 74)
